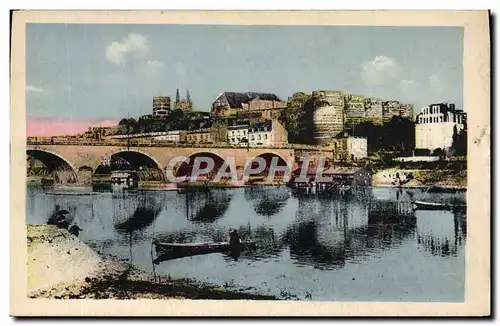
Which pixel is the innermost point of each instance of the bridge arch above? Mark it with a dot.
(146, 164)
(185, 168)
(268, 157)
(54, 163)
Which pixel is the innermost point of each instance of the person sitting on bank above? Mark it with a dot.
(55, 215)
(58, 218)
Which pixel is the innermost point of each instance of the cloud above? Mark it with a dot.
(407, 87)
(34, 89)
(156, 64)
(437, 85)
(379, 71)
(132, 46)
(151, 68)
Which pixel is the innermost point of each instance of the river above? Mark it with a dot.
(367, 245)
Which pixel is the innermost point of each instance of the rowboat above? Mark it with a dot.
(199, 247)
(437, 206)
(169, 251)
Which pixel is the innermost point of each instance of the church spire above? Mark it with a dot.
(177, 97)
(188, 96)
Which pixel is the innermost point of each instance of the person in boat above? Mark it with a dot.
(234, 239)
(75, 230)
(235, 244)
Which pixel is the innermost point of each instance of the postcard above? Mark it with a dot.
(250, 163)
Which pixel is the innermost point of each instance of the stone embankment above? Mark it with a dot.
(60, 266)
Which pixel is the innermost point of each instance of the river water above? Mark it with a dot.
(368, 245)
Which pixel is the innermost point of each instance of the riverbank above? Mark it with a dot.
(60, 266)
(417, 178)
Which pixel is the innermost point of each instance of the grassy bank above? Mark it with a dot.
(60, 266)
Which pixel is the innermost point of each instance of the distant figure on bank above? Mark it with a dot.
(75, 230)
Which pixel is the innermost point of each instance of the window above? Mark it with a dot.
(265, 136)
(260, 136)
(252, 137)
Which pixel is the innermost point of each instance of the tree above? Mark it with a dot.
(459, 143)
(297, 118)
(128, 125)
(399, 134)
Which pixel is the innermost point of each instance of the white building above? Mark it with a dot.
(237, 135)
(170, 136)
(357, 148)
(269, 133)
(436, 124)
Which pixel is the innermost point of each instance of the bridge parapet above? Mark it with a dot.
(89, 157)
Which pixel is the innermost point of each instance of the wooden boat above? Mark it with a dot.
(437, 206)
(200, 247)
(169, 251)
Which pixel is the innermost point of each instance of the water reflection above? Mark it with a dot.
(327, 232)
(306, 238)
(206, 205)
(267, 201)
(143, 215)
(441, 233)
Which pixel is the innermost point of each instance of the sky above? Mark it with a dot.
(95, 74)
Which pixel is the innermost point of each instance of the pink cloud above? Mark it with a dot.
(53, 127)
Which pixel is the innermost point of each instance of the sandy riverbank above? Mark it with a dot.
(445, 179)
(60, 266)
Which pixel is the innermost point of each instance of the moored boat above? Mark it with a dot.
(199, 247)
(178, 250)
(437, 206)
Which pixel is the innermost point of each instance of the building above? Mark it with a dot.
(355, 111)
(328, 114)
(332, 176)
(161, 106)
(173, 136)
(184, 104)
(269, 133)
(197, 136)
(373, 110)
(238, 134)
(215, 134)
(232, 103)
(436, 125)
(349, 149)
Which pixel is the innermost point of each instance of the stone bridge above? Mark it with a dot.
(88, 157)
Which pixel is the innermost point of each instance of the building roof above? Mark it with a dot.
(235, 99)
